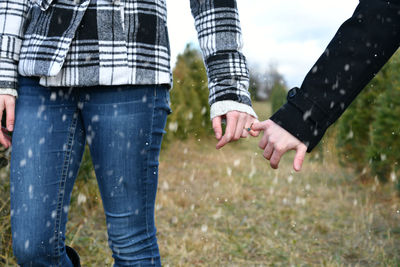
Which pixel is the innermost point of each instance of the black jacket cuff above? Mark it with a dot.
(302, 118)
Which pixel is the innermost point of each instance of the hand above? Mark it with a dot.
(236, 127)
(7, 102)
(277, 141)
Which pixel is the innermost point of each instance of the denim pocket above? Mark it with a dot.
(162, 98)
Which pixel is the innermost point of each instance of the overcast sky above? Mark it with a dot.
(291, 34)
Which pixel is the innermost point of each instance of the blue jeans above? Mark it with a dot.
(123, 126)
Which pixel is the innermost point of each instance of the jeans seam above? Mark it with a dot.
(148, 162)
(64, 172)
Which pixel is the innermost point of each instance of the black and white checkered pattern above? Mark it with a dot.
(12, 18)
(113, 42)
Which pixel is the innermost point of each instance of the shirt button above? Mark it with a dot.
(292, 92)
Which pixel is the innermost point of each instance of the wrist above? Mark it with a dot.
(223, 107)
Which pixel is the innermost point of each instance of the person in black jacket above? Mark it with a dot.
(361, 46)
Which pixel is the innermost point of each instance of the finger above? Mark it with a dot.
(245, 133)
(231, 120)
(4, 131)
(250, 126)
(254, 133)
(10, 110)
(3, 140)
(276, 155)
(258, 126)
(1, 108)
(299, 157)
(268, 151)
(261, 126)
(216, 124)
(240, 126)
(264, 141)
(7, 137)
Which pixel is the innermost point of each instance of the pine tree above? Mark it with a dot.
(385, 144)
(189, 98)
(368, 131)
(277, 96)
(354, 127)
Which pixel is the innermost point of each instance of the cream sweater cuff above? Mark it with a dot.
(222, 107)
(8, 91)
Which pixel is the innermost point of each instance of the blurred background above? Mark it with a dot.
(290, 36)
(228, 207)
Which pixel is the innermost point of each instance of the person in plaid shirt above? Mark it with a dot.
(98, 71)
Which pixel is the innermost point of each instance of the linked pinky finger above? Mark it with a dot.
(254, 133)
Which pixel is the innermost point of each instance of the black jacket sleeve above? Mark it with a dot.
(362, 45)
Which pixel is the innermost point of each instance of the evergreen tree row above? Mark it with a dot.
(368, 132)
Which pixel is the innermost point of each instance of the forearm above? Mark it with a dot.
(220, 39)
(362, 45)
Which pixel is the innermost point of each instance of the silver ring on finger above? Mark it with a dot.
(248, 128)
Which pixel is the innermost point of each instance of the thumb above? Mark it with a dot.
(216, 124)
(299, 157)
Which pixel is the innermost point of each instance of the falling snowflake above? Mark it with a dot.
(81, 199)
(236, 163)
(229, 171)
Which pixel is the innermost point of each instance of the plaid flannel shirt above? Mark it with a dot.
(114, 42)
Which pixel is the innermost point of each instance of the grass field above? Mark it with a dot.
(229, 208)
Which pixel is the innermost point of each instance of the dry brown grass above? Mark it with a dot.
(229, 208)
